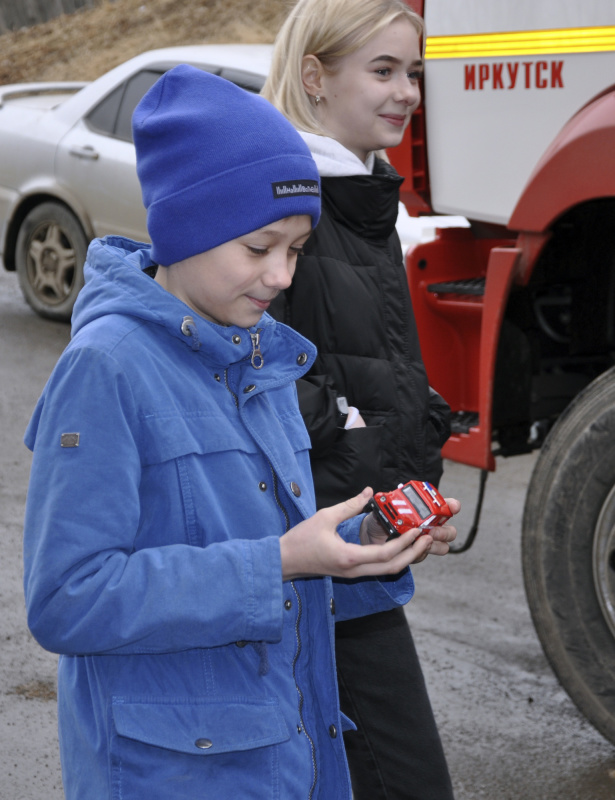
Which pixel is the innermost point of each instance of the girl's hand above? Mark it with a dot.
(314, 547)
(355, 420)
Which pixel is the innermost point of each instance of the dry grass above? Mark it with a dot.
(36, 690)
(86, 44)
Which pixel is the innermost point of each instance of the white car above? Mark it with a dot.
(68, 167)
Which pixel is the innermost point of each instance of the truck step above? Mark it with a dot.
(462, 421)
(469, 286)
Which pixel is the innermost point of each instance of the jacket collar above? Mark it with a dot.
(366, 204)
(117, 282)
(363, 197)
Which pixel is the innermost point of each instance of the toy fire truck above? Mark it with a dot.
(416, 504)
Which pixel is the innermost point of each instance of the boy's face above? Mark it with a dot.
(234, 283)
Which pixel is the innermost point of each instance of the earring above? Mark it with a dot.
(317, 99)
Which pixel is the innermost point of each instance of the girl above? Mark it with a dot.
(346, 73)
(170, 517)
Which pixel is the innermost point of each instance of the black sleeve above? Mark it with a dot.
(318, 406)
(439, 416)
(317, 396)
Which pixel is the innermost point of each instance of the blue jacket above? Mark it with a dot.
(165, 469)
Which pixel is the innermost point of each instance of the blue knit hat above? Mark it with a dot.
(216, 162)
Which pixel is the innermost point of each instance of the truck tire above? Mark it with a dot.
(568, 551)
(49, 257)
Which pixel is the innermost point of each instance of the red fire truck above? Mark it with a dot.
(517, 312)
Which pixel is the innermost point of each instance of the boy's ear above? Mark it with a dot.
(311, 75)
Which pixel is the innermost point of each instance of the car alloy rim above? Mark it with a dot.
(51, 263)
(604, 560)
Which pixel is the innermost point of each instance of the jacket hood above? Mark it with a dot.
(116, 283)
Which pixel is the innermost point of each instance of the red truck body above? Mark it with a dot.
(516, 313)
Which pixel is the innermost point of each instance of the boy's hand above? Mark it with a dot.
(314, 547)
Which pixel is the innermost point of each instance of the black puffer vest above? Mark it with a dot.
(350, 297)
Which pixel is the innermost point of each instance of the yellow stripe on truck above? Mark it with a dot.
(522, 43)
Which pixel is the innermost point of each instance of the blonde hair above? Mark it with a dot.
(329, 30)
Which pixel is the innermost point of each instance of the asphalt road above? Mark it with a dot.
(510, 732)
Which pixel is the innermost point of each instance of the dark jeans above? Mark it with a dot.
(396, 753)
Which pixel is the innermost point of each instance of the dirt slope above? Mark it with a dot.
(84, 45)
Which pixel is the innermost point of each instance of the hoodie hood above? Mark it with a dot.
(333, 159)
(116, 283)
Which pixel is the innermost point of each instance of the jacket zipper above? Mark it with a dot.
(257, 359)
(231, 392)
(297, 595)
(299, 646)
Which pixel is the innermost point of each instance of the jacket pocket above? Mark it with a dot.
(353, 463)
(166, 749)
(168, 437)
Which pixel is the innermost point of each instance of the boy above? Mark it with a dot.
(170, 523)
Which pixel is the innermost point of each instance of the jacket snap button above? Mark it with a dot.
(295, 489)
(332, 605)
(241, 644)
(301, 359)
(288, 604)
(333, 731)
(262, 486)
(203, 744)
(217, 377)
(249, 389)
(236, 339)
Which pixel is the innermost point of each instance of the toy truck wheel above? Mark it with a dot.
(568, 550)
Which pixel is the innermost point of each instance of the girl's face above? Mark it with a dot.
(234, 283)
(367, 102)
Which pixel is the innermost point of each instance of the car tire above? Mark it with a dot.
(49, 256)
(568, 551)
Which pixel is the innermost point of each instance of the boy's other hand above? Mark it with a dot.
(314, 547)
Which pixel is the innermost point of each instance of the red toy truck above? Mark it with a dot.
(416, 504)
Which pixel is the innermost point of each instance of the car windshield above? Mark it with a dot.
(417, 501)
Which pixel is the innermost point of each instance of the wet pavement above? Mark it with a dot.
(510, 732)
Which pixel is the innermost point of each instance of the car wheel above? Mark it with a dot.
(50, 253)
(568, 551)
